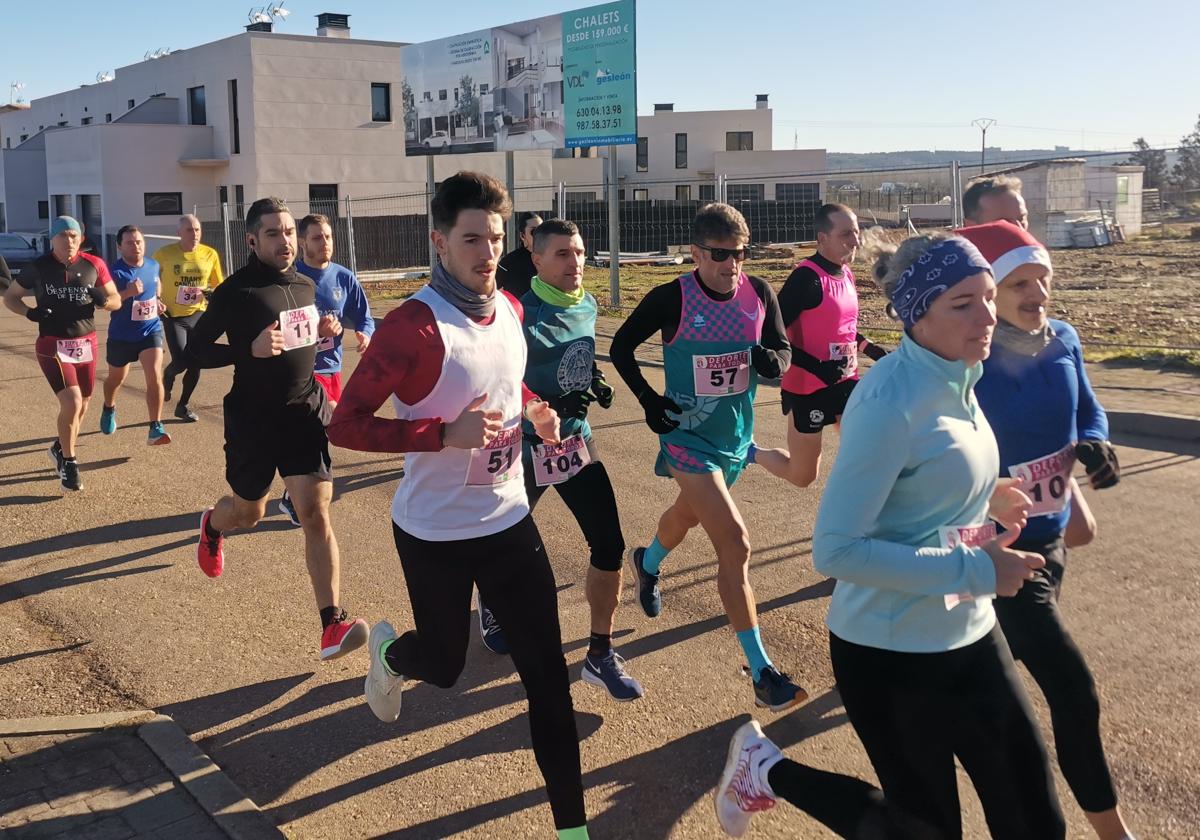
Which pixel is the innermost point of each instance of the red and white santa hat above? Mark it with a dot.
(1006, 246)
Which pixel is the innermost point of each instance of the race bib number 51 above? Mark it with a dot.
(554, 463)
(1047, 481)
(973, 536)
(722, 376)
(299, 327)
(498, 462)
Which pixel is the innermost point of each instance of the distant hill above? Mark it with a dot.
(849, 161)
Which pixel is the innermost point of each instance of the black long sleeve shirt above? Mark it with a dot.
(660, 311)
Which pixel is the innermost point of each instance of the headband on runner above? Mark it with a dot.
(946, 264)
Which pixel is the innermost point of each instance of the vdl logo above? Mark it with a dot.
(578, 80)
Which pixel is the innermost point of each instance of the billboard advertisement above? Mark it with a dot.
(554, 82)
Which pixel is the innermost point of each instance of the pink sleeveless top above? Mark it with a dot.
(827, 332)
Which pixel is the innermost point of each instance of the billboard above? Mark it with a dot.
(554, 82)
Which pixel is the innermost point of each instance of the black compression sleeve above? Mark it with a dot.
(659, 311)
(800, 292)
(774, 335)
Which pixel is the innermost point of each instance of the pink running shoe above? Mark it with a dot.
(210, 553)
(342, 636)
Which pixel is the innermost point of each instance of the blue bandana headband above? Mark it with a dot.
(947, 263)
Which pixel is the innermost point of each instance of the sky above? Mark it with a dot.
(847, 77)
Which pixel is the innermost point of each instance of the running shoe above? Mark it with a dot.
(647, 584)
(752, 454)
(381, 688)
(210, 553)
(608, 672)
(57, 457)
(168, 384)
(288, 509)
(70, 474)
(158, 435)
(743, 790)
(108, 419)
(186, 414)
(490, 630)
(342, 636)
(776, 691)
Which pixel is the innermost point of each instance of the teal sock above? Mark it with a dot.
(753, 648)
(579, 832)
(653, 556)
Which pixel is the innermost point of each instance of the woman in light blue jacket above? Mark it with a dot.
(922, 669)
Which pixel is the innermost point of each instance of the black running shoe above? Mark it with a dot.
(647, 584)
(70, 475)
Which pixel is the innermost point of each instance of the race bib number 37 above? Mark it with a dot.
(74, 351)
(721, 376)
(498, 462)
(972, 535)
(554, 463)
(1047, 481)
(299, 327)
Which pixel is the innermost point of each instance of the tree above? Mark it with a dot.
(468, 102)
(1187, 167)
(1154, 161)
(409, 103)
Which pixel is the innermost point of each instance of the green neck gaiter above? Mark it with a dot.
(555, 296)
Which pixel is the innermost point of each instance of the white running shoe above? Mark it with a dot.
(382, 689)
(743, 789)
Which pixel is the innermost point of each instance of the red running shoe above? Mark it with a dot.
(210, 553)
(342, 636)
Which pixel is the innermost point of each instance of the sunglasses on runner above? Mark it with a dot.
(722, 254)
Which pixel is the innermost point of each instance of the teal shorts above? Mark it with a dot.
(672, 456)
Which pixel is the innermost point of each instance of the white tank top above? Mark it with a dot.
(459, 494)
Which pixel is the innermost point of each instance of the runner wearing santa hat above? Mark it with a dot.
(1035, 394)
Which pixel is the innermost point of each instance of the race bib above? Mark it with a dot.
(145, 310)
(325, 343)
(189, 295)
(722, 376)
(74, 351)
(299, 327)
(973, 536)
(1047, 481)
(498, 462)
(847, 353)
(554, 463)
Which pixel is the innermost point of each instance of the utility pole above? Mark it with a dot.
(983, 124)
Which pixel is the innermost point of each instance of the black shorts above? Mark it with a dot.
(813, 412)
(257, 447)
(121, 353)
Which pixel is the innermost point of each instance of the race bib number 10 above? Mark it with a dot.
(722, 376)
(498, 462)
(554, 463)
(299, 327)
(974, 536)
(1047, 481)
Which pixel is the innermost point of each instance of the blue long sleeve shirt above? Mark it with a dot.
(917, 462)
(338, 293)
(1038, 407)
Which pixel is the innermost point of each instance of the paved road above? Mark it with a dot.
(104, 583)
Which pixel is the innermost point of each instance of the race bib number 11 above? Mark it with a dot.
(299, 327)
(722, 376)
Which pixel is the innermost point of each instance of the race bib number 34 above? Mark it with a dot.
(973, 536)
(721, 376)
(299, 327)
(189, 295)
(554, 463)
(1047, 481)
(74, 351)
(498, 462)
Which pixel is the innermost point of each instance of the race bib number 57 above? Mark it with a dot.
(1047, 481)
(722, 376)
(498, 462)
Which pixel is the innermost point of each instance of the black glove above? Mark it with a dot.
(97, 294)
(207, 293)
(656, 407)
(37, 314)
(873, 351)
(1100, 460)
(573, 404)
(603, 392)
(831, 372)
(765, 362)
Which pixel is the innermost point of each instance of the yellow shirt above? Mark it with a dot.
(185, 276)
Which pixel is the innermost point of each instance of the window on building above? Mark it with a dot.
(235, 126)
(456, 94)
(323, 199)
(381, 102)
(222, 195)
(239, 201)
(8, 142)
(24, 137)
(3, 221)
(86, 121)
(515, 66)
(108, 117)
(442, 95)
(483, 89)
(681, 151)
(744, 192)
(427, 96)
(708, 192)
(576, 197)
(739, 141)
(163, 203)
(1122, 189)
(683, 192)
(643, 154)
(797, 192)
(43, 209)
(620, 195)
(641, 195)
(129, 105)
(62, 124)
(197, 114)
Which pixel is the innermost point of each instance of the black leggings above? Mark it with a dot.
(178, 331)
(515, 579)
(915, 712)
(1036, 635)
(589, 496)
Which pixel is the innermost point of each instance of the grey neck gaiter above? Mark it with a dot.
(472, 304)
(1019, 341)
